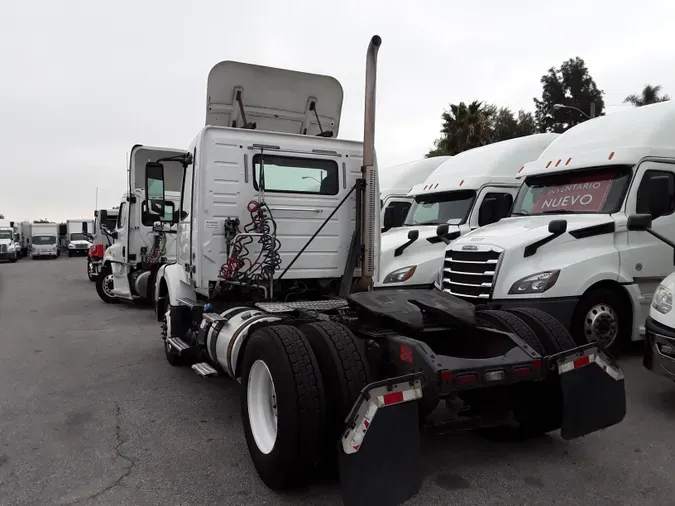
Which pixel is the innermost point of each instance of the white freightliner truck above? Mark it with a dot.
(470, 190)
(101, 239)
(79, 236)
(395, 184)
(566, 247)
(10, 248)
(277, 249)
(141, 242)
(44, 240)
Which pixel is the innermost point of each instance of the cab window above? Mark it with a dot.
(289, 174)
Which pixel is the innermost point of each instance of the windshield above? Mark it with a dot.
(439, 208)
(44, 239)
(5, 234)
(78, 237)
(598, 191)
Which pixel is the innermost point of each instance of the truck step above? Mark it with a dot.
(213, 317)
(311, 305)
(204, 369)
(191, 303)
(178, 344)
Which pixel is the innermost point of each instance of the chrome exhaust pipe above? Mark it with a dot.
(370, 199)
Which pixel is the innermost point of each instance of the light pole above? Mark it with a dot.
(557, 107)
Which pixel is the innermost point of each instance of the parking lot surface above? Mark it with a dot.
(91, 413)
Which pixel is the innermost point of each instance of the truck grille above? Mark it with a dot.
(470, 274)
(3, 248)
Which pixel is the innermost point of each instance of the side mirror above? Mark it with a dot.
(413, 235)
(154, 188)
(660, 189)
(104, 216)
(442, 230)
(639, 222)
(557, 227)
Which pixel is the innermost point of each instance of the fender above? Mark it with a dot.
(170, 276)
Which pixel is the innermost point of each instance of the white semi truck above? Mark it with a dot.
(44, 240)
(566, 247)
(10, 248)
(395, 184)
(79, 236)
(101, 238)
(277, 250)
(141, 242)
(470, 190)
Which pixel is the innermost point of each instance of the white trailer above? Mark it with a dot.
(44, 240)
(471, 190)
(142, 243)
(395, 184)
(277, 250)
(566, 247)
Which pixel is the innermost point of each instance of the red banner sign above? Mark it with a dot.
(588, 196)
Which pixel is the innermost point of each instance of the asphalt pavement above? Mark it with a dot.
(92, 414)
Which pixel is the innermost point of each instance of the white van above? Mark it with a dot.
(470, 190)
(395, 184)
(566, 247)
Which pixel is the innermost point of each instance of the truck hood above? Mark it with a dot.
(425, 255)
(80, 243)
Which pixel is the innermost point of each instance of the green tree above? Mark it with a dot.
(572, 86)
(648, 95)
(477, 124)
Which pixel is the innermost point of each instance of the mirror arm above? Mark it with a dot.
(399, 251)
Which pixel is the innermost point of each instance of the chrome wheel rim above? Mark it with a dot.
(601, 325)
(108, 285)
(261, 399)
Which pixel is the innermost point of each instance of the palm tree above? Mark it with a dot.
(649, 95)
(464, 127)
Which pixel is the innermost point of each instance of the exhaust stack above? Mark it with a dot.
(370, 198)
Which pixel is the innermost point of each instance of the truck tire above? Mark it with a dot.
(345, 373)
(603, 317)
(507, 322)
(552, 334)
(283, 406)
(103, 285)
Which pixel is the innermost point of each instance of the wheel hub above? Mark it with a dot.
(261, 399)
(108, 285)
(601, 324)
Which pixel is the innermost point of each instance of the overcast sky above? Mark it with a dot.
(82, 81)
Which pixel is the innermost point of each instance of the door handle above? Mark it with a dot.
(300, 209)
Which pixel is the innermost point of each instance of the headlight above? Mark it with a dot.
(536, 283)
(662, 300)
(400, 275)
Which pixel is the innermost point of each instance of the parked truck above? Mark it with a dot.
(10, 248)
(142, 243)
(471, 190)
(566, 247)
(101, 239)
(79, 236)
(277, 250)
(44, 240)
(395, 185)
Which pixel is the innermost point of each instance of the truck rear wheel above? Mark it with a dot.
(552, 334)
(283, 406)
(345, 373)
(507, 322)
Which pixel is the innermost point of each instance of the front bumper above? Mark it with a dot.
(7, 256)
(659, 355)
(561, 308)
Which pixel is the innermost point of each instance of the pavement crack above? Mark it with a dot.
(129, 461)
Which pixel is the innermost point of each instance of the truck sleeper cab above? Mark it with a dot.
(142, 241)
(277, 250)
(471, 190)
(395, 185)
(565, 247)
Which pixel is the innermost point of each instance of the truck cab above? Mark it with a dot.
(44, 240)
(468, 191)
(395, 185)
(565, 247)
(142, 241)
(101, 239)
(79, 236)
(10, 249)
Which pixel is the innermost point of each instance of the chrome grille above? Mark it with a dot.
(470, 274)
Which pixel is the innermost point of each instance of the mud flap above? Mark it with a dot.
(380, 449)
(594, 395)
